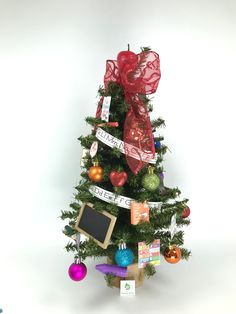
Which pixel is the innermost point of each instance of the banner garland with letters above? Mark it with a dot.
(112, 141)
(119, 200)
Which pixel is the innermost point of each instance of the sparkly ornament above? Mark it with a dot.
(172, 254)
(157, 144)
(150, 180)
(77, 271)
(124, 256)
(186, 212)
(118, 178)
(95, 172)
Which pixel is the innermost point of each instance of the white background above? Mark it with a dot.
(52, 60)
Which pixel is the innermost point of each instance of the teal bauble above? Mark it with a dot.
(124, 257)
(150, 180)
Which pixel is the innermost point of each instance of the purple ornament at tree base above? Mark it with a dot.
(77, 271)
(112, 269)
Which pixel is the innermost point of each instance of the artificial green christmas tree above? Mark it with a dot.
(122, 186)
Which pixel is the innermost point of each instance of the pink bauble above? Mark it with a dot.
(77, 272)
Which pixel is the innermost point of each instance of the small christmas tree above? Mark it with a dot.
(122, 189)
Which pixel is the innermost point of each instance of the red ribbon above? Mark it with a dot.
(139, 75)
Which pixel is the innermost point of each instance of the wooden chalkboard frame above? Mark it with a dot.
(109, 231)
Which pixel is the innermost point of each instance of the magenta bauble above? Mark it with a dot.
(78, 271)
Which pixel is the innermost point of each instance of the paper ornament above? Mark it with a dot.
(139, 212)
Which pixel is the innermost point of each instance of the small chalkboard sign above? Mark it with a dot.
(96, 225)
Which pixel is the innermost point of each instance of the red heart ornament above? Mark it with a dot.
(118, 178)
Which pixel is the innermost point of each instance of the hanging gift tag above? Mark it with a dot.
(127, 288)
(93, 149)
(84, 156)
(139, 212)
(148, 253)
(173, 227)
(106, 108)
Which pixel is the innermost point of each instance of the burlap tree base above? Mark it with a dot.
(134, 273)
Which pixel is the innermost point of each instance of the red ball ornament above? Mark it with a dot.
(186, 212)
(172, 254)
(118, 178)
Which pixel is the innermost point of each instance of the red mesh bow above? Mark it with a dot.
(139, 75)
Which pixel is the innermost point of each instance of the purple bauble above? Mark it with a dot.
(77, 272)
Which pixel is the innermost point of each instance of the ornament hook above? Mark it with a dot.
(122, 245)
(77, 260)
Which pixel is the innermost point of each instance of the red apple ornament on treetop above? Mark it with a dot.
(117, 178)
(127, 63)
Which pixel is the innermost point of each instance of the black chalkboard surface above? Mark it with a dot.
(94, 224)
